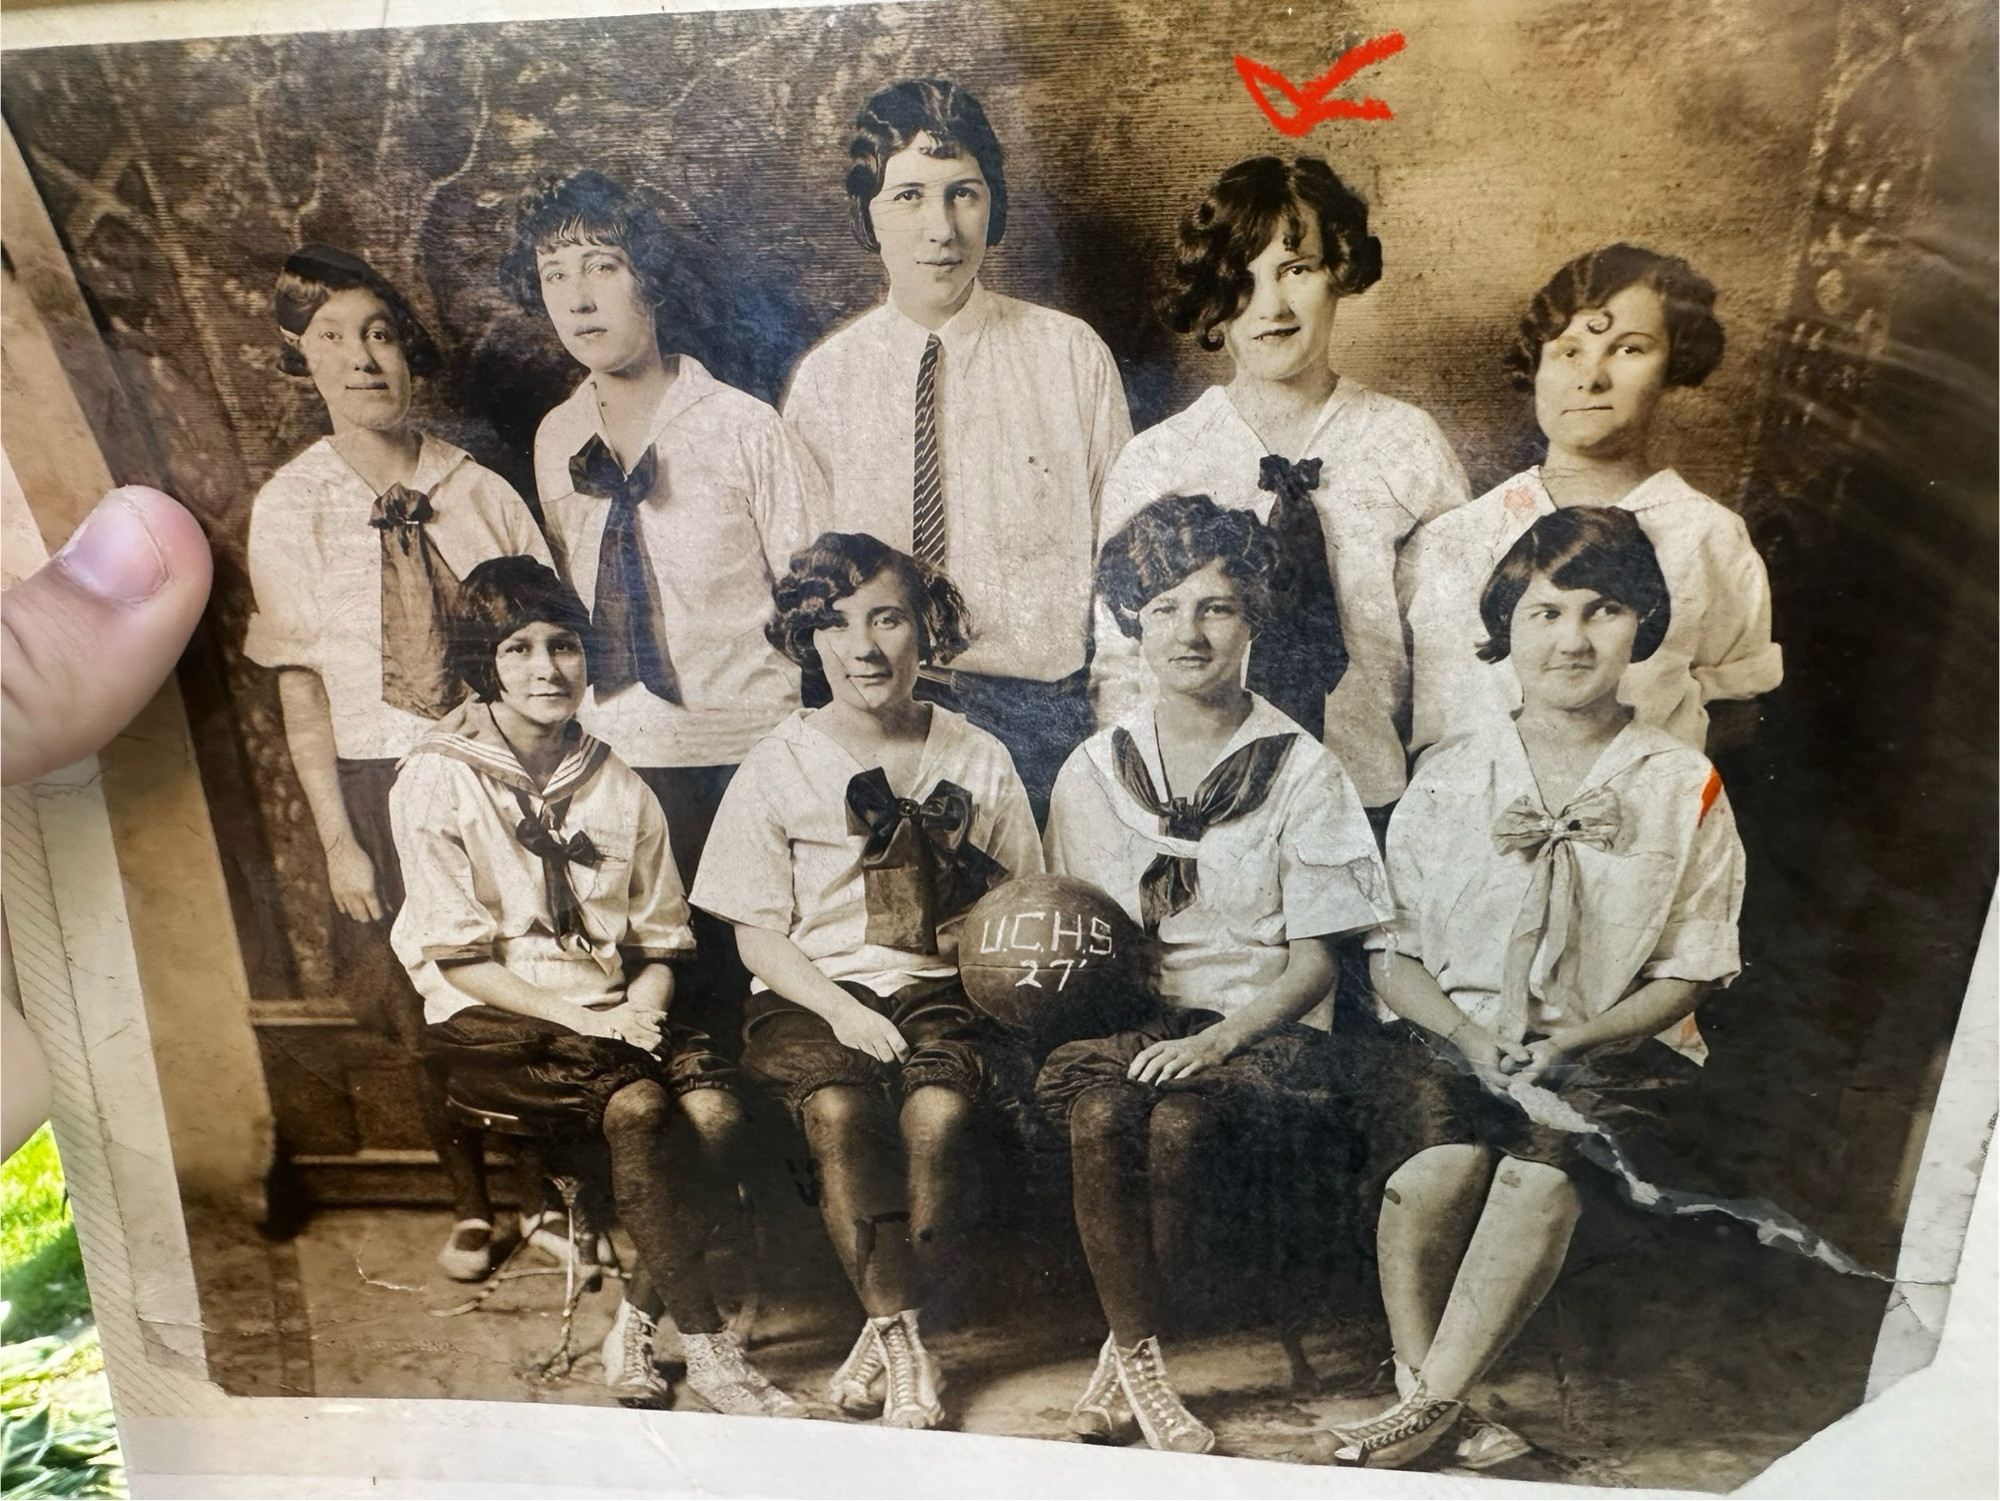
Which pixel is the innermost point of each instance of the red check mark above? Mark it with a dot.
(1314, 103)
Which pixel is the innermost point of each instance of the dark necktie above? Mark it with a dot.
(418, 593)
(631, 629)
(918, 866)
(543, 838)
(1236, 788)
(927, 507)
(1300, 653)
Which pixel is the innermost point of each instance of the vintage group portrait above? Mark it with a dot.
(1261, 731)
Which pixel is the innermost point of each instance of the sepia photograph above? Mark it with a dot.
(1253, 730)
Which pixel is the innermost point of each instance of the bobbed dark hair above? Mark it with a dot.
(894, 118)
(312, 274)
(498, 598)
(836, 564)
(588, 208)
(1252, 201)
(1177, 536)
(1601, 548)
(1694, 336)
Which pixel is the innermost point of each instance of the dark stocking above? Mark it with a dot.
(1108, 1162)
(934, 1122)
(855, 1146)
(461, 1149)
(1180, 1156)
(668, 1224)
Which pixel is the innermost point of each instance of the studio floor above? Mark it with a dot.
(1669, 1355)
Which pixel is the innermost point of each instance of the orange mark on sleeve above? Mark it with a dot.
(1710, 791)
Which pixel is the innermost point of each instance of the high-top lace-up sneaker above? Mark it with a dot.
(910, 1377)
(1102, 1413)
(627, 1353)
(1166, 1424)
(856, 1388)
(1392, 1439)
(1484, 1442)
(722, 1376)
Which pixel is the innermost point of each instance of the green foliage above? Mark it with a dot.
(56, 1433)
(41, 1269)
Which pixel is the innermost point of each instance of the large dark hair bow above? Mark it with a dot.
(543, 837)
(918, 866)
(1237, 787)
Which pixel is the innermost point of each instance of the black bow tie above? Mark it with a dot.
(594, 470)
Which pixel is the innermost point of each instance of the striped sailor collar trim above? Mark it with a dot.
(469, 734)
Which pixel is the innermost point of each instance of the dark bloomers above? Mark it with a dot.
(1230, 228)
(952, 1046)
(1694, 337)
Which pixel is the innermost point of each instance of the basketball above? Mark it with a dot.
(1051, 956)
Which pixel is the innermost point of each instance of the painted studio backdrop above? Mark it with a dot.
(1829, 167)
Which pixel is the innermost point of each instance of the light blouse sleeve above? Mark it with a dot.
(657, 922)
(1329, 873)
(1737, 613)
(746, 865)
(1699, 939)
(284, 629)
(789, 496)
(513, 522)
(1409, 827)
(442, 920)
(1014, 842)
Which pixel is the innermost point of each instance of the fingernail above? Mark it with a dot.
(113, 553)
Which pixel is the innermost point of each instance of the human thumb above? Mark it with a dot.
(91, 635)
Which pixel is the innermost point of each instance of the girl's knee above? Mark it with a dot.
(934, 1118)
(839, 1113)
(1100, 1114)
(716, 1114)
(1178, 1126)
(1542, 1180)
(1454, 1168)
(640, 1107)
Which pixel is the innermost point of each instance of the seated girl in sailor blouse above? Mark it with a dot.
(846, 852)
(1235, 838)
(1611, 333)
(356, 549)
(1566, 884)
(543, 919)
(1343, 474)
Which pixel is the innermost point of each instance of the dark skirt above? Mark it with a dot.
(1415, 1093)
(1292, 1063)
(552, 1081)
(953, 1045)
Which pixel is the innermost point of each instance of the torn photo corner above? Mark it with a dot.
(1256, 741)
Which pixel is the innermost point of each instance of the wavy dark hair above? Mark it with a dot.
(1177, 536)
(1600, 548)
(894, 118)
(312, 274)
(498, 598)
(1694, 336)
(1251, 202)
(838, 563)
(588, 208)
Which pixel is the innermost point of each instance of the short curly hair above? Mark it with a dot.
(1252, 201)
(1178, 536)
(498, 598)
(588, 208)
(312, 274)
(894, 118)
(1694, 336)
(1601, 548)
(838, 563)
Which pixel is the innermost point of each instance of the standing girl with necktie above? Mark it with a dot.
(673, 501)
(356, 549)
(1235, 839)
(545, 923)
(1341, 473)
(1566, 882)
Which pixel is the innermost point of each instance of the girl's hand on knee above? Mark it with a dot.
(868, 1031)
(1179, 1058)
(1539, 1060)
